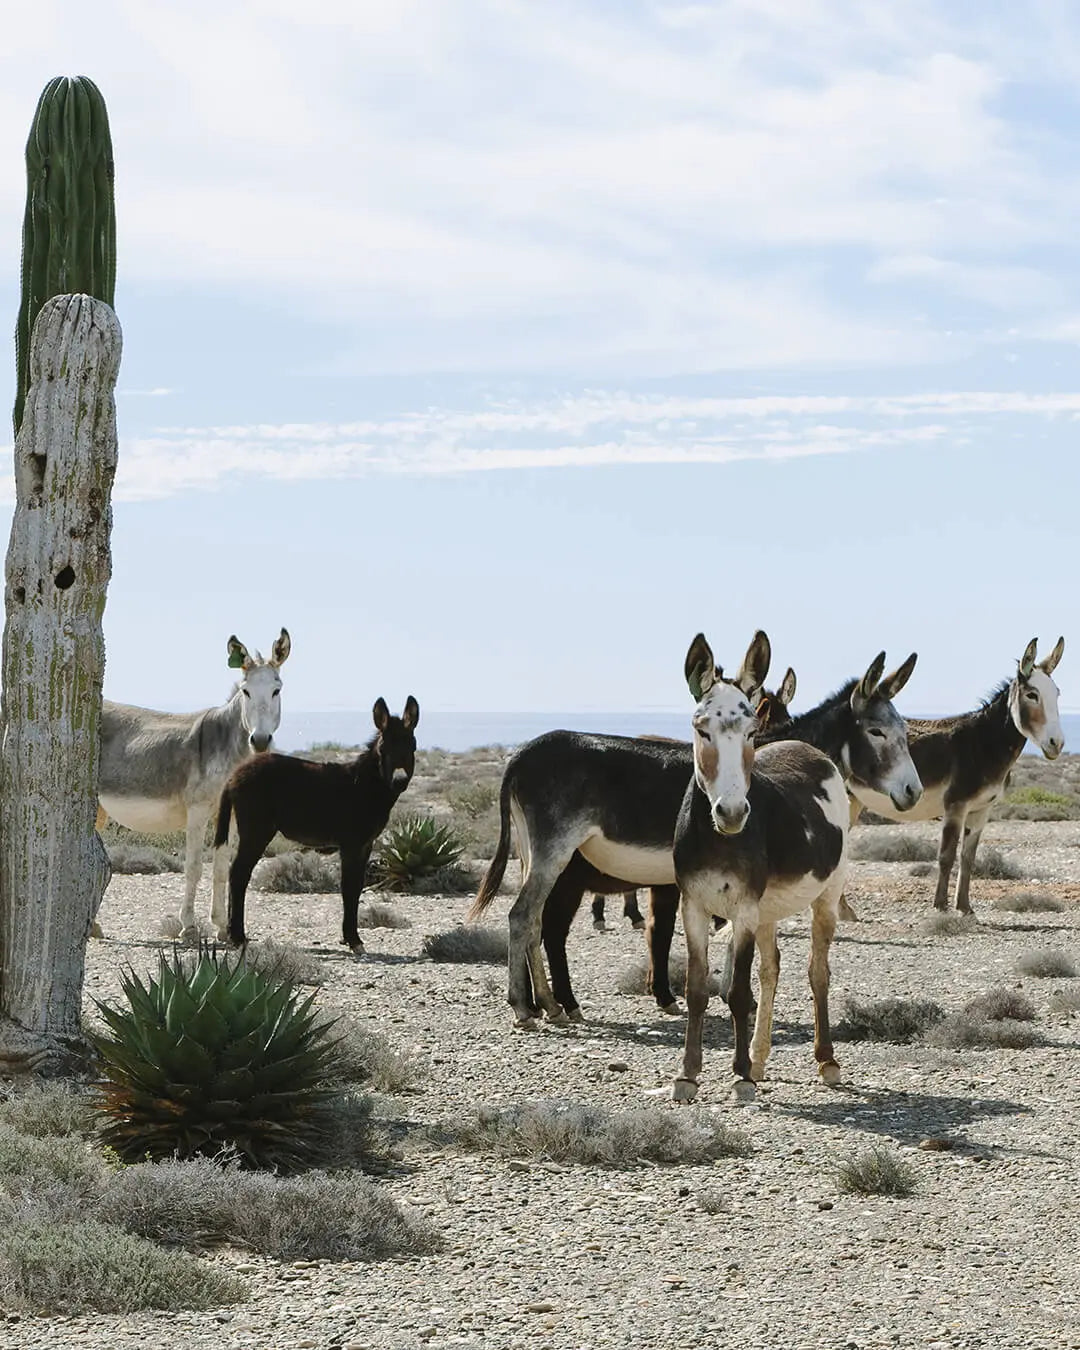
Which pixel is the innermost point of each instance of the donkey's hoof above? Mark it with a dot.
(638, 925)
(673, 1009)
(743, 1091)
(684, 1090)
(558, 1016)
(830, 1072)
(599, 925)
(190, 936)
(757, 1070)
(576, 1015)
(357, 953)
(527, 1023)
(845, 912)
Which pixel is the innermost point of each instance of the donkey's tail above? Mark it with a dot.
(489, 887)
(224, 816)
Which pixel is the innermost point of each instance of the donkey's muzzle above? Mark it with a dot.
(260, 742)
(730, 821)
(905, 798)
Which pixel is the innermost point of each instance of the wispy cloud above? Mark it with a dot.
(597, 429)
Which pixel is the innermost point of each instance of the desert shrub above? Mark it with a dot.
(1029, 902)
(1037, 803)
(876, 1171)
(962, 1031)
(365, 1056)
(948, 923)
(889, 1019)
(284, 961)
(299, 873)
(377, 914)
(468, 943)
(998, 1004)
(473, 800)
(559, 1131)
(633, 978)
(1048, 963)
(1064, 1001)
(86, 1266)
(30, 1165)
(993, 865)
(713, 1200)
(413, 849)
(50, 1108)
(922, 869)
(893, 846)
(132, 859)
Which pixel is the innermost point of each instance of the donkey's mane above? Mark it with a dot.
(829, 704)
(987, 711)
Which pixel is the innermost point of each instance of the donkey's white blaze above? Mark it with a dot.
(1034, 709)
(724, 725)
(261, 709)
(629, 862)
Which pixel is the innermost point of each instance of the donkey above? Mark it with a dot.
(772, 712)
(760, 836)
(325, 806)
(164, 771)
(609, 803)
(965, 760)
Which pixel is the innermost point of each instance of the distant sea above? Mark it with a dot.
(467, 730)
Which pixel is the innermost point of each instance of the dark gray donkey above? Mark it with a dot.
(164, 771)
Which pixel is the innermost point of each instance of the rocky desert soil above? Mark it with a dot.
(758, 1251)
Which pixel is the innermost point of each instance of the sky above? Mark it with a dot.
(497, 347)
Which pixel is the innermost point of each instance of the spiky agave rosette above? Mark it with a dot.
(414, 848)
(216, 1056)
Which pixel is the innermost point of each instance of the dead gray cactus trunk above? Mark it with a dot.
(53, 867)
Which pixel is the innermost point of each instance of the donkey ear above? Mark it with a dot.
(279, 653)
(891, 685)
(864, 690)
(380, 714)
(238, 654)
(411, 715)
(786, 692)
(1027, 661)
(699, 668)
(1049, 664)
(755, 666)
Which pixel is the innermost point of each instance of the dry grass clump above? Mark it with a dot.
(378, 914)
(922, 869)
(962, 1031)
(81, 1265)
(998, 1004)
(994, 865)
(572, 1132)
(50, 1109)
(896, 845)
(1048, 963)
(1064, 1001)
(634, 977)
(1029, 902)
(876, 1171)
(32, 1165)
(134, 859)
(299, 873)
(473, 800)
(285, 961)
(468, 943)
(365, 1056)
(341, 1216)
(1038, 803)
(948, 923)
(898, 1020)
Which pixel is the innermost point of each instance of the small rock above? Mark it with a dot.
(517, 1165)
(618, 1065)
(539, 1307)
(824, 1204)
(936, 1143)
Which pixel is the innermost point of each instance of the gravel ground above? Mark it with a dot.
(753, 1251)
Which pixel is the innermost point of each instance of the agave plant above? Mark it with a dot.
(213, 1055)
(414, 848)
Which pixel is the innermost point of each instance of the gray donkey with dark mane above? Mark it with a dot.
(164, 771)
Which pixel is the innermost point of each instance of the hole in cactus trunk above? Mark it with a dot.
(65, 577)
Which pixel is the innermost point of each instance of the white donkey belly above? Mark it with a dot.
(782, 900)
(630, 862)
(144, 814)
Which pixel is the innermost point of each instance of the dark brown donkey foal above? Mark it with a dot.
(328, 806)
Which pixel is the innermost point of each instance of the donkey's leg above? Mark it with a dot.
(219, 904)
(823, 927)
(630, 909)
(559, 909)
(353, 871)
(740, 1001)
(597, 919)
(768, 973)
(973, 828)
(194, 839)
(950, 838)
(854, 812)
(525, 923)
(659, 929)
(696, 927)
(99, 824)
(248, 853)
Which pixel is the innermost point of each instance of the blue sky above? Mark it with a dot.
(495, 348)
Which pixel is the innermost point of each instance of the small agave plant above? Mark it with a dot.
(214, 1055)
(414, 848)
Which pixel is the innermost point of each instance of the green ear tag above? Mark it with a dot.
(236, 658)
(694, 681)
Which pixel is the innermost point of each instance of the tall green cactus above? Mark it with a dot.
(69, 231)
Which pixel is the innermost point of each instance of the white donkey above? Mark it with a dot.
(164, 771)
